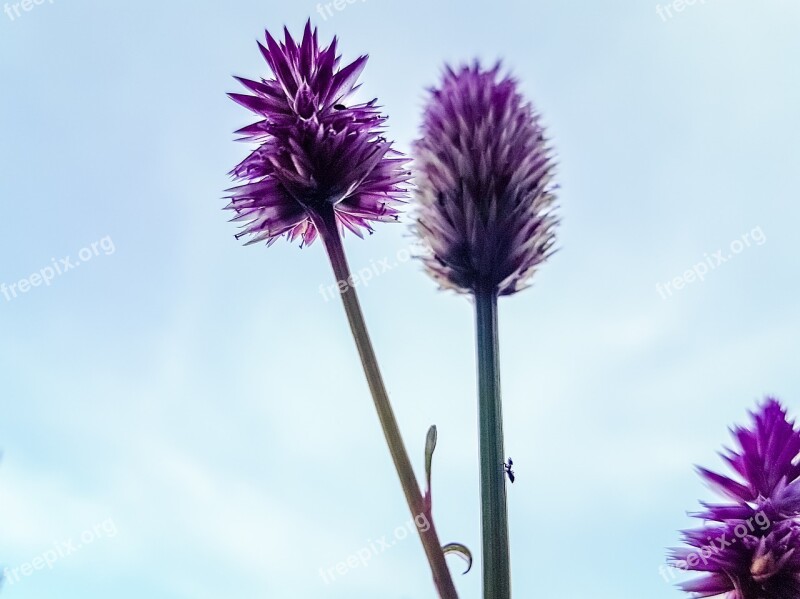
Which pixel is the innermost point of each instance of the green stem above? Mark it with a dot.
(494, 513)
(326, 224)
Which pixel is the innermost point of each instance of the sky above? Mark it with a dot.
(183, 417)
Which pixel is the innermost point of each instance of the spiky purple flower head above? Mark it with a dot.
(742, 564)
(483, 184)
(749, 548)
(766, 462)
(316, 151)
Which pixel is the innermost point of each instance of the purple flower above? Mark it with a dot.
(763, 564)
(749, 548)
(484, 184)
(316, 151)
(766, 462)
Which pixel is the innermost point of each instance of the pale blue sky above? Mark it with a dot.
(206, 400)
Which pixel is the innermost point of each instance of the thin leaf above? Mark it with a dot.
(461, 551)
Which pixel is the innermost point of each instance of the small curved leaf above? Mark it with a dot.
(430, 445)
(461, 551)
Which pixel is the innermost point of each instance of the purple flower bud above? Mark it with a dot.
(484, 184)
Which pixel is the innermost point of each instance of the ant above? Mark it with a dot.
(507, 468)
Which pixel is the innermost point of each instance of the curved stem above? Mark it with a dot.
(494, 514)
(328, 230)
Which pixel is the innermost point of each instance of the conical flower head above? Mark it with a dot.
(484, 186)
(316, 151)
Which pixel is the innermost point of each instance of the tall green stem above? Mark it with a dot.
(326, 224)
(494, 513)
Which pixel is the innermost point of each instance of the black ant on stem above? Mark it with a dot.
(507, 468)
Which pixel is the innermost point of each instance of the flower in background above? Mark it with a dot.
(485, 214)
(316, 150)
(484, 184)
(749, 547)
(766, 461)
